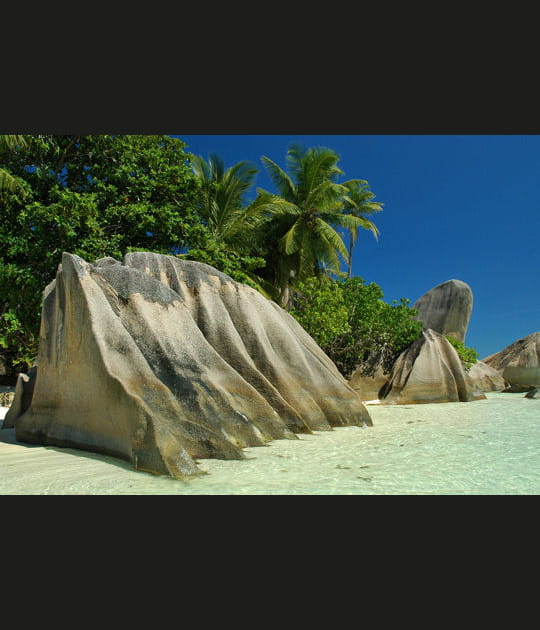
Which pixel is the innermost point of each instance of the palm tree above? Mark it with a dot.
(229, 216)
(358, 202)
(308, 244)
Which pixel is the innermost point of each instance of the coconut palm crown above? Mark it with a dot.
(225, 207)
(359, 202)
(309, 243)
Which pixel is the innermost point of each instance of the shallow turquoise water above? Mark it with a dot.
(489, 446)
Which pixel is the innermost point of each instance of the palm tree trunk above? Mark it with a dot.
(349, 260)
(285, 296)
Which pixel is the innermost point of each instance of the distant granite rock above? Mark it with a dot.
(369, 387)
(486, 379)
(429, 371)
(24, 390)
(161, 361)
(534, 393)
(446, 309)
(519, 363)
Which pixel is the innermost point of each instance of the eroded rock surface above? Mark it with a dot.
(369, 387)
(446, 309)
(519, 363)
(161, 361)
(485, 378)
(429, 371)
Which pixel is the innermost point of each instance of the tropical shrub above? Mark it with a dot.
(93, 196)
(353, 325)
(468, 356)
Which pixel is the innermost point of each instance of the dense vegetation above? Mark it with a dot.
(93, 196)
(353, 325)
(468, 356)
(106, 195)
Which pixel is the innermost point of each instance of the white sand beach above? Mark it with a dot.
(484, 447)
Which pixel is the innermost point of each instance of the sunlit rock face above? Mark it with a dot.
(428, 371)
(485, 378)
(446, 309)
(161, 361)
(369, 387)
(519, 363)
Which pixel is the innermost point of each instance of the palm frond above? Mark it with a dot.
(325, 196)
(291, 242)
(318, 165)
(280, 179)
(201, 169)
(371, 206)
(334, 240)
(8, 183)
(278, 206)
(216, 166)
(352, 183)
(295, 157)
(12, 142)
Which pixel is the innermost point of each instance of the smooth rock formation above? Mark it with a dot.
(24, 390)
(519, 363)
(161, 361)
(446, 309)
(486, 379)
(429, 371)
(369, 387)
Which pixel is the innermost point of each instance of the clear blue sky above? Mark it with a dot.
(455, 206)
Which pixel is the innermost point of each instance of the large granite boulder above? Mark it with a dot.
(429, 371)
(446, 309)
(161, 361)
(519, 363)
(486, 379)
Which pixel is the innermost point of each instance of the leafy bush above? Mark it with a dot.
(353, 325)
(468, 356)
(93, 196)
(321, 310)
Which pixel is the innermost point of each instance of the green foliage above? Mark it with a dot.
(353, 325)
(224, 208)
(320, 309)
(304, 227)
(468, 356)
(106, 195)
(93, 196)
(358, 201)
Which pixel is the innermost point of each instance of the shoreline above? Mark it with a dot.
(440, 448)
